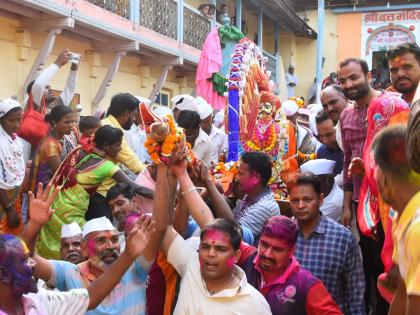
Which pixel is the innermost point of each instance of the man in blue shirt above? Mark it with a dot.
(327, 136)
(324, 247)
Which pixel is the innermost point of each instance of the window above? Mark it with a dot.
(162, 98)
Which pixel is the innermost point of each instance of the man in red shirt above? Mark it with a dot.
(275, 272)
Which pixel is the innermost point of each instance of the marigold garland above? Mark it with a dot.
(160, 151)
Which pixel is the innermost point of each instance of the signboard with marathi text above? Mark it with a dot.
(384, 30)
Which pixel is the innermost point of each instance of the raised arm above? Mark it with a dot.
(120, 177)
(220, 205)
(46, 76)
(40, 213)
(70, 87)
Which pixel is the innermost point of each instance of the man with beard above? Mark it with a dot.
(18, 290)
(355, 78)
(121, 114)
(71, 243)
(324, 247)
(274, 271)
(404, 68)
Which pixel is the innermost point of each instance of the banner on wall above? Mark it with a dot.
(384, 30)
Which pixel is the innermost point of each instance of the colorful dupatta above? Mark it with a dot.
(385, 109)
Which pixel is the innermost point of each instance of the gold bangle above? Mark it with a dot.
(191, 189)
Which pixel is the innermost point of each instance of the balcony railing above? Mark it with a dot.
(120, 7)
(159, 16)
(196, 27)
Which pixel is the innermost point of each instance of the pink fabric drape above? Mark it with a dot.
(210, 62)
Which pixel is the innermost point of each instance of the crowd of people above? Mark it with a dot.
(90, 223)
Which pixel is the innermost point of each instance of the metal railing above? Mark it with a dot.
(196, 27)
(120, 7)
(159, 16)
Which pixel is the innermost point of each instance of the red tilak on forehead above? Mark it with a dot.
(214, 235)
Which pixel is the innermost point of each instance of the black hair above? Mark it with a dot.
(305, 178)
(260, 163)
(88, 122)
(121, 103)
(229, 227)
(29, 87)
(411, 48)
(321, 117)
(362, 63)
(57, 113)
(107, 135)
(120, 189)
(389, 147)
(189, 119)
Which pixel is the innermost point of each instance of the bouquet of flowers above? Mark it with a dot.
(162, 135)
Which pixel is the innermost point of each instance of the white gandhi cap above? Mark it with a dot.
(205, 108)
(289, 107)
(318, 167)
(97, 225)
(185, 102)
(70, 230)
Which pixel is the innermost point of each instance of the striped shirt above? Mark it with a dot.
(253, 215)
(353, 124)
(331, 254)
(128, 297)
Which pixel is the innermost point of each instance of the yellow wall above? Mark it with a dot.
(349, 29)
(17, 57)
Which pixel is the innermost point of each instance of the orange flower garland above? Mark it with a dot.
(160, 152)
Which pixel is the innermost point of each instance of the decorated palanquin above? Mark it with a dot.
(254, 120)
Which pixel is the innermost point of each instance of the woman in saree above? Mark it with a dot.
(12, 168)
(55, 146)
(81, 177)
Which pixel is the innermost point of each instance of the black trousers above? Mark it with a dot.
(97, 208)
(373, 268)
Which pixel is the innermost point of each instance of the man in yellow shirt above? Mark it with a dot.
(399, 185)
(121, 114)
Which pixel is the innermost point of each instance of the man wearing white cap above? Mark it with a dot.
(184, 102)
(101, 244)
(304, 137)
(71, 243)
(332, 206)
(218, 137)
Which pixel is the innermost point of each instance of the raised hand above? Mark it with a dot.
(63, 58)
(178, 162)
(40, 210)
(139, 236)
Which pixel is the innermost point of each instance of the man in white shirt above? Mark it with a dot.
(40, 88)
(200, 142)
(332, 206)
(18, 291)
(211, 282)
(291, 81)
(218, 137)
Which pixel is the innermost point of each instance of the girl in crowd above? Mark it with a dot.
(12, 168)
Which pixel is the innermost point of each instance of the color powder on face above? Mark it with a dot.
(230, 262)
(214, 236)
